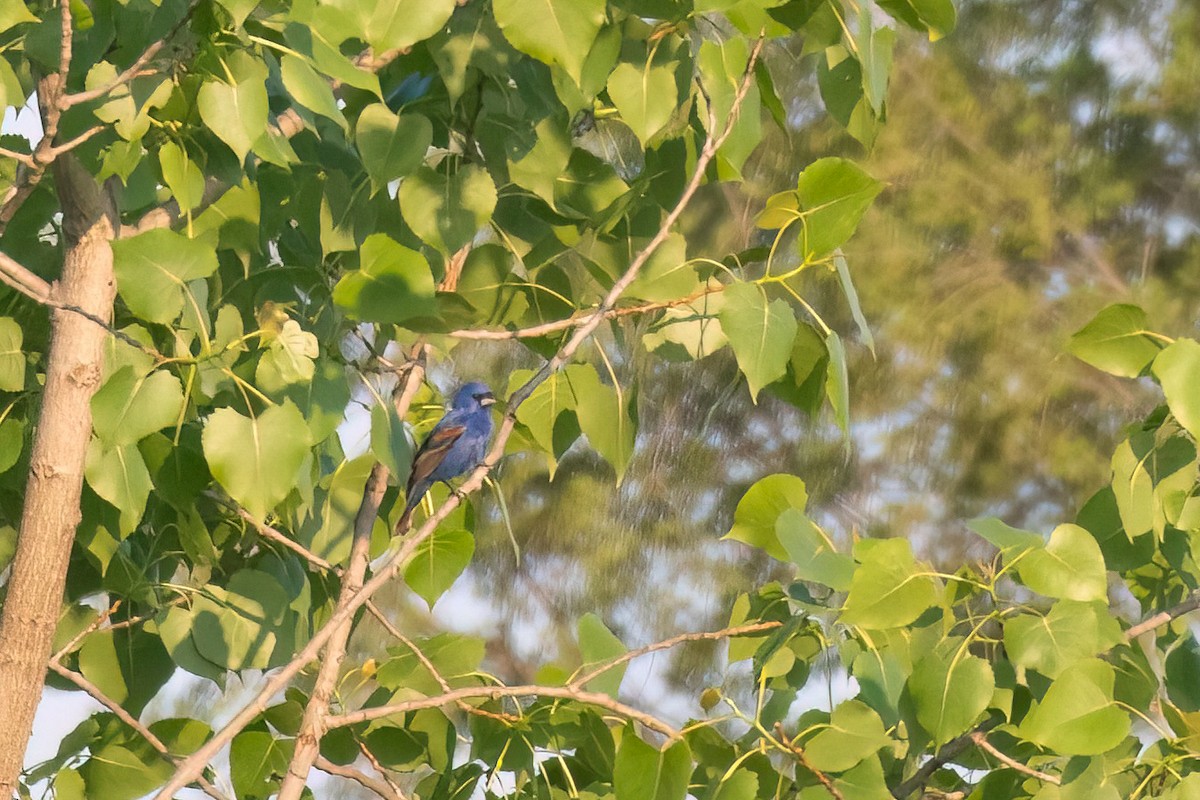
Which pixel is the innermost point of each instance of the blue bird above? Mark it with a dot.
(456, 445)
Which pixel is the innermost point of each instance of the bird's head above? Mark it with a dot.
(473, 395)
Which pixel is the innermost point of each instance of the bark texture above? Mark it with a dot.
(60, 441)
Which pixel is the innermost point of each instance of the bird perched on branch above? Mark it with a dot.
(456, 445)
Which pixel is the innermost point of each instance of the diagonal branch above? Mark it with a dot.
(392, 565)
(665, 644)
(313, 725)
(99, 696)
(981, 741)
(377, 786)
(134, 70)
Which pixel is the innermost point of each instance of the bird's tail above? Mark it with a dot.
(404, 524)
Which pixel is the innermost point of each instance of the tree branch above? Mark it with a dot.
(379, 787)
(665, 644)
(1192, 603)
(393, 563)
(598, 699)
(798, 752)
(981, 741)
(545, 328)
(123, 715)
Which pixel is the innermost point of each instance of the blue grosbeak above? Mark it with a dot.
(456, 444)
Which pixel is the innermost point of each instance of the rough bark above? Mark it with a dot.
(51, 512)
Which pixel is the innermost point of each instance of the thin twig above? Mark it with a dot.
(944, 756)
(981, 741)
(545, 328)
(724, 633)
(79, 637)
(391, 566)
(367, 754)
(1163, 617)
(69, 145)
(598, 699)
(798, 752)
(100, 697)
(24, 280)
(377, 786)
(133, 70)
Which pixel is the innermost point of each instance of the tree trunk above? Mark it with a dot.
(51, 513)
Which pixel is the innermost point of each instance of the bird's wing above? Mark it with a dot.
(432, 451)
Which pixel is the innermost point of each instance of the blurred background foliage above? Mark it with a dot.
(1041, 163)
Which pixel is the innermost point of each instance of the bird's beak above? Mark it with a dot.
(487, 400)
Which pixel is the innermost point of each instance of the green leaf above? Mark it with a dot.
(310, 89)
(760, 333)
(12, 442)
(447, 212)
(128, 666)
(539, 169)
(854, 732)
(1178, 371)
(722, 67)
(667, 275)
(1182, 667)
(119, 475)
(875, 53)
(837, 385)
(1012, 542)
(182, 176)
(541, 411)
(597, 644)
(237, 113)
(452, 655)
(1077, 716)
(129, 105)
(812, 551)
(1116, 341)
(438, 562)
(644, 95)
(13, 13)
(129, 406)
(759, 511)
(115, 773)
(256, 459)
(643, 772)
(603, 413)
(391, 146)
(390, 442)
(175, 629)
(289, 358)
(235, 626)
(12, 358)
(393, 284)
(1133, 490)
(1071, 632)
(1070, 566)
(888, 590)
(395, 24)
(950, 689)
(329, 528)
(257, 761)
(937, 17)
(550, 31)
(860, 321)
(154, 268)
(834, 193)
